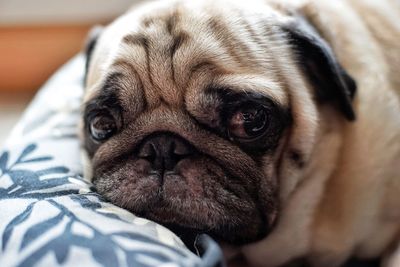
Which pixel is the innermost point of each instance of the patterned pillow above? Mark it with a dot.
(50, 216)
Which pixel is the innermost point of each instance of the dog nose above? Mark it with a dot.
(164, 151)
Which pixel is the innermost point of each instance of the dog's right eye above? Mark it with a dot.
(102, 127)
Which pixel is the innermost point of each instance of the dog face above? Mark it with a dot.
(199, 115)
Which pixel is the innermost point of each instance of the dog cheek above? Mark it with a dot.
(201, 177)
(129, 186)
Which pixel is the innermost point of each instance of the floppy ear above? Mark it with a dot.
(317, 60)
(90, 44)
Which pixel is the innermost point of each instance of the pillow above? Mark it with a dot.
(51, 216)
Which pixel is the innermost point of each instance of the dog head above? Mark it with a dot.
(198, 114)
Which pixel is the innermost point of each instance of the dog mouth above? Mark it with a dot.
(189, 219)
(200, 198)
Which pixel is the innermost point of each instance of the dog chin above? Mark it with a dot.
(185, 224)
(173, 205)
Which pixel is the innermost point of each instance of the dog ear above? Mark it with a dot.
(90, 44)
(318, 62)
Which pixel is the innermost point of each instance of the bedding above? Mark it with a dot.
(51, 216)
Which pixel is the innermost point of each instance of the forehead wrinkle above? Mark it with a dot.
(253, 83)
(159, 42)
(131, 92)
(262, 40)
(234, 45)
(277, 52)
(166, 40)
(193, 42)
(197, 103)
(216, 44)
(179, 40)
(233, 30)
(171, 20)
(174, 38)
(135, 52)
(140, 40)
(264, 36)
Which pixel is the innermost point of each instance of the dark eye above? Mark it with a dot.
(248, 123)
(102, 127)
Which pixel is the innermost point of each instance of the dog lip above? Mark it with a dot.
(160, 176)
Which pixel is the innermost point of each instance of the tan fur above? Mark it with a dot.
(352, 217)
(346, 201)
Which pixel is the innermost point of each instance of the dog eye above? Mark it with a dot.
(102, 127)
(248, 123)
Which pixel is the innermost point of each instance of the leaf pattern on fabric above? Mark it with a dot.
(15, 222)
(39, 229)
(3, 161)
(118, 248)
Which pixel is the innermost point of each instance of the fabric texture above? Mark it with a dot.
(51, 216)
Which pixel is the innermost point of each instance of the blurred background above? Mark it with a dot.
(36, 38)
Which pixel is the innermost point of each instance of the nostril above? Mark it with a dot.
(148, 152)
(164, 151)
(181, 149)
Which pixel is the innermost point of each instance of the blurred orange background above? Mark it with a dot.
(37, 36)
(29, 54)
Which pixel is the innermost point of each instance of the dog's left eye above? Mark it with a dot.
(102, 127)
(248, 123)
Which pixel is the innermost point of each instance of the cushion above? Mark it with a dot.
(51, 216)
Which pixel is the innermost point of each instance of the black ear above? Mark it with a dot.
(90, 44)
(318, 62)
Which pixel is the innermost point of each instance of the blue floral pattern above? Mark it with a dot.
(51, 216)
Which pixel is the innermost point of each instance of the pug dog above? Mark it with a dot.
(273, 126)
